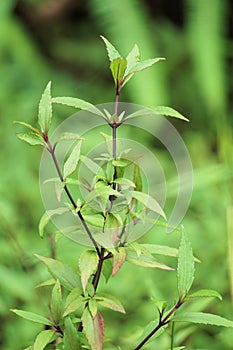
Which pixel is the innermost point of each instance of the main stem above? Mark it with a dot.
(162, 322)
(51, 151)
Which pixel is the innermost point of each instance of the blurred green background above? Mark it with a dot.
(58, 40)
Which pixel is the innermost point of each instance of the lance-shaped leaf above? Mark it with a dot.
(45, 109)
(46, 217)
(185, 269)
(56, 306)
(137, 178)
(118, 67)
(111, 50)
(93, 329)
(93, 307)
(161, 250)
(206, 293)
(156, 111)
(72, 161)
(67, 276)
(71, 340)
(119, 256)
(203, 318)
(149, 202)
(31, 316)
(107, 269)
(32, 138)
(132, 59)
(80, 104)
(74, 301)
(44, 338)
(110, 302)
(88, 262)
(145, 260)
(30, 127)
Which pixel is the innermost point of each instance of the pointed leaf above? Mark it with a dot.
(107, 269)
(31, 138)
(68, 136)
(73, 301)
(72, 161)
(161, 250)
(92, 305)
(137, 178)
(149, 202)
(44, 338)
(56, 303)
(45, 109)
(112, 52)
(80, 104)
(204, 293)
(93, 329)
(110, 302)
(203, 318)
(35, 130)
(46, 217)
(31, 316)
(132, 58)
(140, 66)
(88, 262)
(71, 340)
(146, 261)
(118, 259)
(185, 269)
(66, 275)
(92, 166)
(118, 67)
(169, 112)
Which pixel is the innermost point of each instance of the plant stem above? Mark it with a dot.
(162, 322)
(51, 151)
(172, 335)
(96, 278)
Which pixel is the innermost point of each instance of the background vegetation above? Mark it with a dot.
(59, 41)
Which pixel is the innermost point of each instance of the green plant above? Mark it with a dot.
(115, 202)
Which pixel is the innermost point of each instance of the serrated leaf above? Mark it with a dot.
(203, 318)
(92, 305)
(149, 202)
(77, 103)
(68, 136)
(132, 58)
(140, 66)
(110, 302)
(73, 301)
(118, 259)
(72, 161)
(35, 130)
(137, 178)
(46, 217)
(45, 109)
(169, 112)
(92, 166)
(56, 306)
(44, 338)
(111, 50)
(146, 261)
(161, 250)
(88, 262)
(32, 138)
(204, 293)
(67, 276)
(118, 67)
(185, 269)
(93, 329)
(107, 269)
(71, 340)
(31, 316)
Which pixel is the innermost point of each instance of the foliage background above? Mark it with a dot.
(59, 41)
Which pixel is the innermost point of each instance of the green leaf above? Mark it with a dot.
(118, 259)
(56, 303)
(203, 318)
(93, 329)
(71, 340)
(160, 304)
(185, 269)
(31, 138)
(137, 178)
(73, 301)
(68, 136)
(107, 269)
(44, 338)
(112, 52)
(132, 58)
(35, 130)
(92, 166)
(118, 67)
(66, 275)
(149, 202)
(149, 328)
(80, 104)
(161, 250)
(169, 112)
(72, 161)
(45, 109)
(140, 66)
(88, 262)
(46, 217)
(31, 316)
(92, 305)
(110, 302)
(204, 293)
(124, 182)
(146, 261)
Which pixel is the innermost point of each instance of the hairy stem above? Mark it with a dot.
(69, 195)
(162, 322)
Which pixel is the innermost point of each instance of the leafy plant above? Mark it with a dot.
(111, 209)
